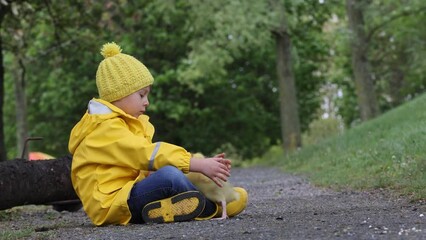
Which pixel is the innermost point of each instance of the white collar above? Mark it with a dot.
(96, 107)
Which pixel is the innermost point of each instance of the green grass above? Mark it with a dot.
(15, 234)
(387, 152)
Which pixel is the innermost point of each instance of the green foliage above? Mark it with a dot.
(396, 49)
(53, 52)
(395, 53)
(387, 152)
(322, 129)
(213, 63)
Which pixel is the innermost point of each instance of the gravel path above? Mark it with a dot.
(281, 206)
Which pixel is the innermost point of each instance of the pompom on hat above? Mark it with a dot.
(119, 74)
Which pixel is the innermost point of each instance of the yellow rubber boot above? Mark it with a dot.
(181, 207)
(199, 218)
(235, 207)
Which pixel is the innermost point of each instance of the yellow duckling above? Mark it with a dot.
(221, 195)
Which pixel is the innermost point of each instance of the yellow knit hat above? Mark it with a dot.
(119, 74)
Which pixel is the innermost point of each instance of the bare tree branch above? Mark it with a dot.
(391, 19)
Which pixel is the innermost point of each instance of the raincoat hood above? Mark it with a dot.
(97, 112)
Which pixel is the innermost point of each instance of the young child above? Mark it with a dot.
(119, 174)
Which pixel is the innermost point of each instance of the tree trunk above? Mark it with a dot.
(21, 107)
(364, 85)
(290, 123)
(396, 85)
(3, 152)
(35, 182)
(397, 80)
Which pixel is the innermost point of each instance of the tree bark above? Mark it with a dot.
(21, 107)
(364, 85)
(290, 122)
(3, 152)
(396, 85)
(35, 182)
(397, 80)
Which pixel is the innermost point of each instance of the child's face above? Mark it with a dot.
(136, 103)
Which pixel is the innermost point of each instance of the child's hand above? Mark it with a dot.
(222, 155)
(216, 168)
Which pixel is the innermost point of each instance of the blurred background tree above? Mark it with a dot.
(214, 63)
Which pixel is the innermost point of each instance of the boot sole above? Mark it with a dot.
(181, 207)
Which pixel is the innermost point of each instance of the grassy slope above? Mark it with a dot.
(387, 152)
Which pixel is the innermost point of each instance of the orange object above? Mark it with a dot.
(39, 156)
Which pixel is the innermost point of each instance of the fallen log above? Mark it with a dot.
(45, 182)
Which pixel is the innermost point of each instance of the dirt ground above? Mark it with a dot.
(281, 206)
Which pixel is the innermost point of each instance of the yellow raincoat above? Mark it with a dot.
(111, 151)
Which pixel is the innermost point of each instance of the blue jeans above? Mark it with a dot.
(164, 183)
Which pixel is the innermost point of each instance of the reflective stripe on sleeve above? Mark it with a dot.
(154, 153)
